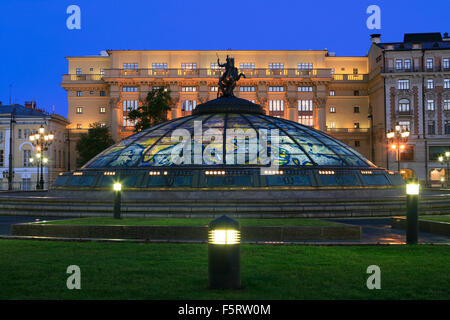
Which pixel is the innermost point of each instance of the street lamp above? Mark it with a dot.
(117, 199)
(398, 138)
(412, 215)
(41, 142)
(224, 254)
(445, 158)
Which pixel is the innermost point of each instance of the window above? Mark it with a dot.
(64, 159)
(2, 158)
(332, 93)
(276, 65)
(276, 89)
(332, 125)
(128, 123)
(26, 158)
(398, 64)
(102, 124)
(102, 72)
(403, 105)
(447, 127)
(78, 125)
(79, 93)
(1, 135)
(91, 69)
(276, 105)
(26, 133)
(102, 93)
(188, 89)
(159, 65)
(91, 92)
(355, 70)
(78, 71)
(446, 105)
(431, 127)
(213, 88)
(188, 105)
(155, 88)
(407, 64)
(129, 105)
(306, 120)
(19, 134)
(446, 83)
(446, 63)
(305, 89)
(430, 84)
(405, 125)
(332, 109)
(79, 110)
(247, 89)
(305, 66)
(102, 110)
(357, 143)
(356, 109)
(189, 66)
(430, 105)
(407, 154)
(130, 66)
(356, 125)
(429, 63)
(356, 93)
(305, 105)
(247, 65)
(130, 89)
(403, 84)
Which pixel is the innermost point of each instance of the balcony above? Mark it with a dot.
(351, 77)
(348, 130)
(82, 78)
(416, 69)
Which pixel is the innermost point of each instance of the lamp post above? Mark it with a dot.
(224, 254)
(10, 164)
(37, 162)
(412, 213)
(445, 158)
(117, 199)
(398, 138)
(41, 142)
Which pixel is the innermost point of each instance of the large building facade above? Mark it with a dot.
(410, 86)
(355, 99)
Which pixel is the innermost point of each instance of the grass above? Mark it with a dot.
(190, 222)
(37, 270)
(440, 219)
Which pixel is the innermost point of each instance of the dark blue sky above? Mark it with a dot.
(34, 37)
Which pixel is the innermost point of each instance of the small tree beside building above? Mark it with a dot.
(97, 139)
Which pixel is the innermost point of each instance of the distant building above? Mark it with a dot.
(410, 85)
(28, 119)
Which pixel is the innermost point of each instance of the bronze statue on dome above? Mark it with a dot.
(228, 79)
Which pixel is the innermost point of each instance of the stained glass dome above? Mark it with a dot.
(225, 143)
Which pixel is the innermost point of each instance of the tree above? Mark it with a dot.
(97, 139)
(153, 111)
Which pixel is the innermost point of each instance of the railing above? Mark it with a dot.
(348, 130)
(415, 69)
(82, 77)
(350, 77)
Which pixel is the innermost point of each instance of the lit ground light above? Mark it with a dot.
(37, 270)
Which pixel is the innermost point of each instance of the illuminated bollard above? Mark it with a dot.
(412, 214)
(117, 199)
(224, 259)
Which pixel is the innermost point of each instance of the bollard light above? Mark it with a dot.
(412, 213)
(224, 263)
(117, 199)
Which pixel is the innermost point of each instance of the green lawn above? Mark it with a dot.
(441, 219)
(190, 222)
(37, 270)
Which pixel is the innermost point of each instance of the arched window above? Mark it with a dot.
(403, 105)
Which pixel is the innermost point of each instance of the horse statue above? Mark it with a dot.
(228, 79)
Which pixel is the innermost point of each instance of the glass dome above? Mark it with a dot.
(161, 146)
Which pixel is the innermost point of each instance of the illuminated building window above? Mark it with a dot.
(332, 125)
(332, 109)
(78, 125)
(403, 105)
(446, 105)
(276, 89)
(159, 65)
(429, 63)
(276, 65)
(276, 105)
(398, 64)
(305, 105)
(79, 110)
(430, 105)
(446, 83)
(78, 71)
(305, 66)
(19, 134)
(188, 89)
(247, 89)
(405, 125)
(130, 89)
(332, 93)
(154, 88)
(446, 63)
(102, 71)
(188, 105)
(91, 92)
(407, 64)
(247, 65)
(102, 110)
(189, 66)
(305, 89)
(306, 120)
(214, 66)
(130, 66)
(129, 105)
(79, 93)
(403, 84)
(128, 123)
(430, 83)
(356, 125)
(213, 88)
